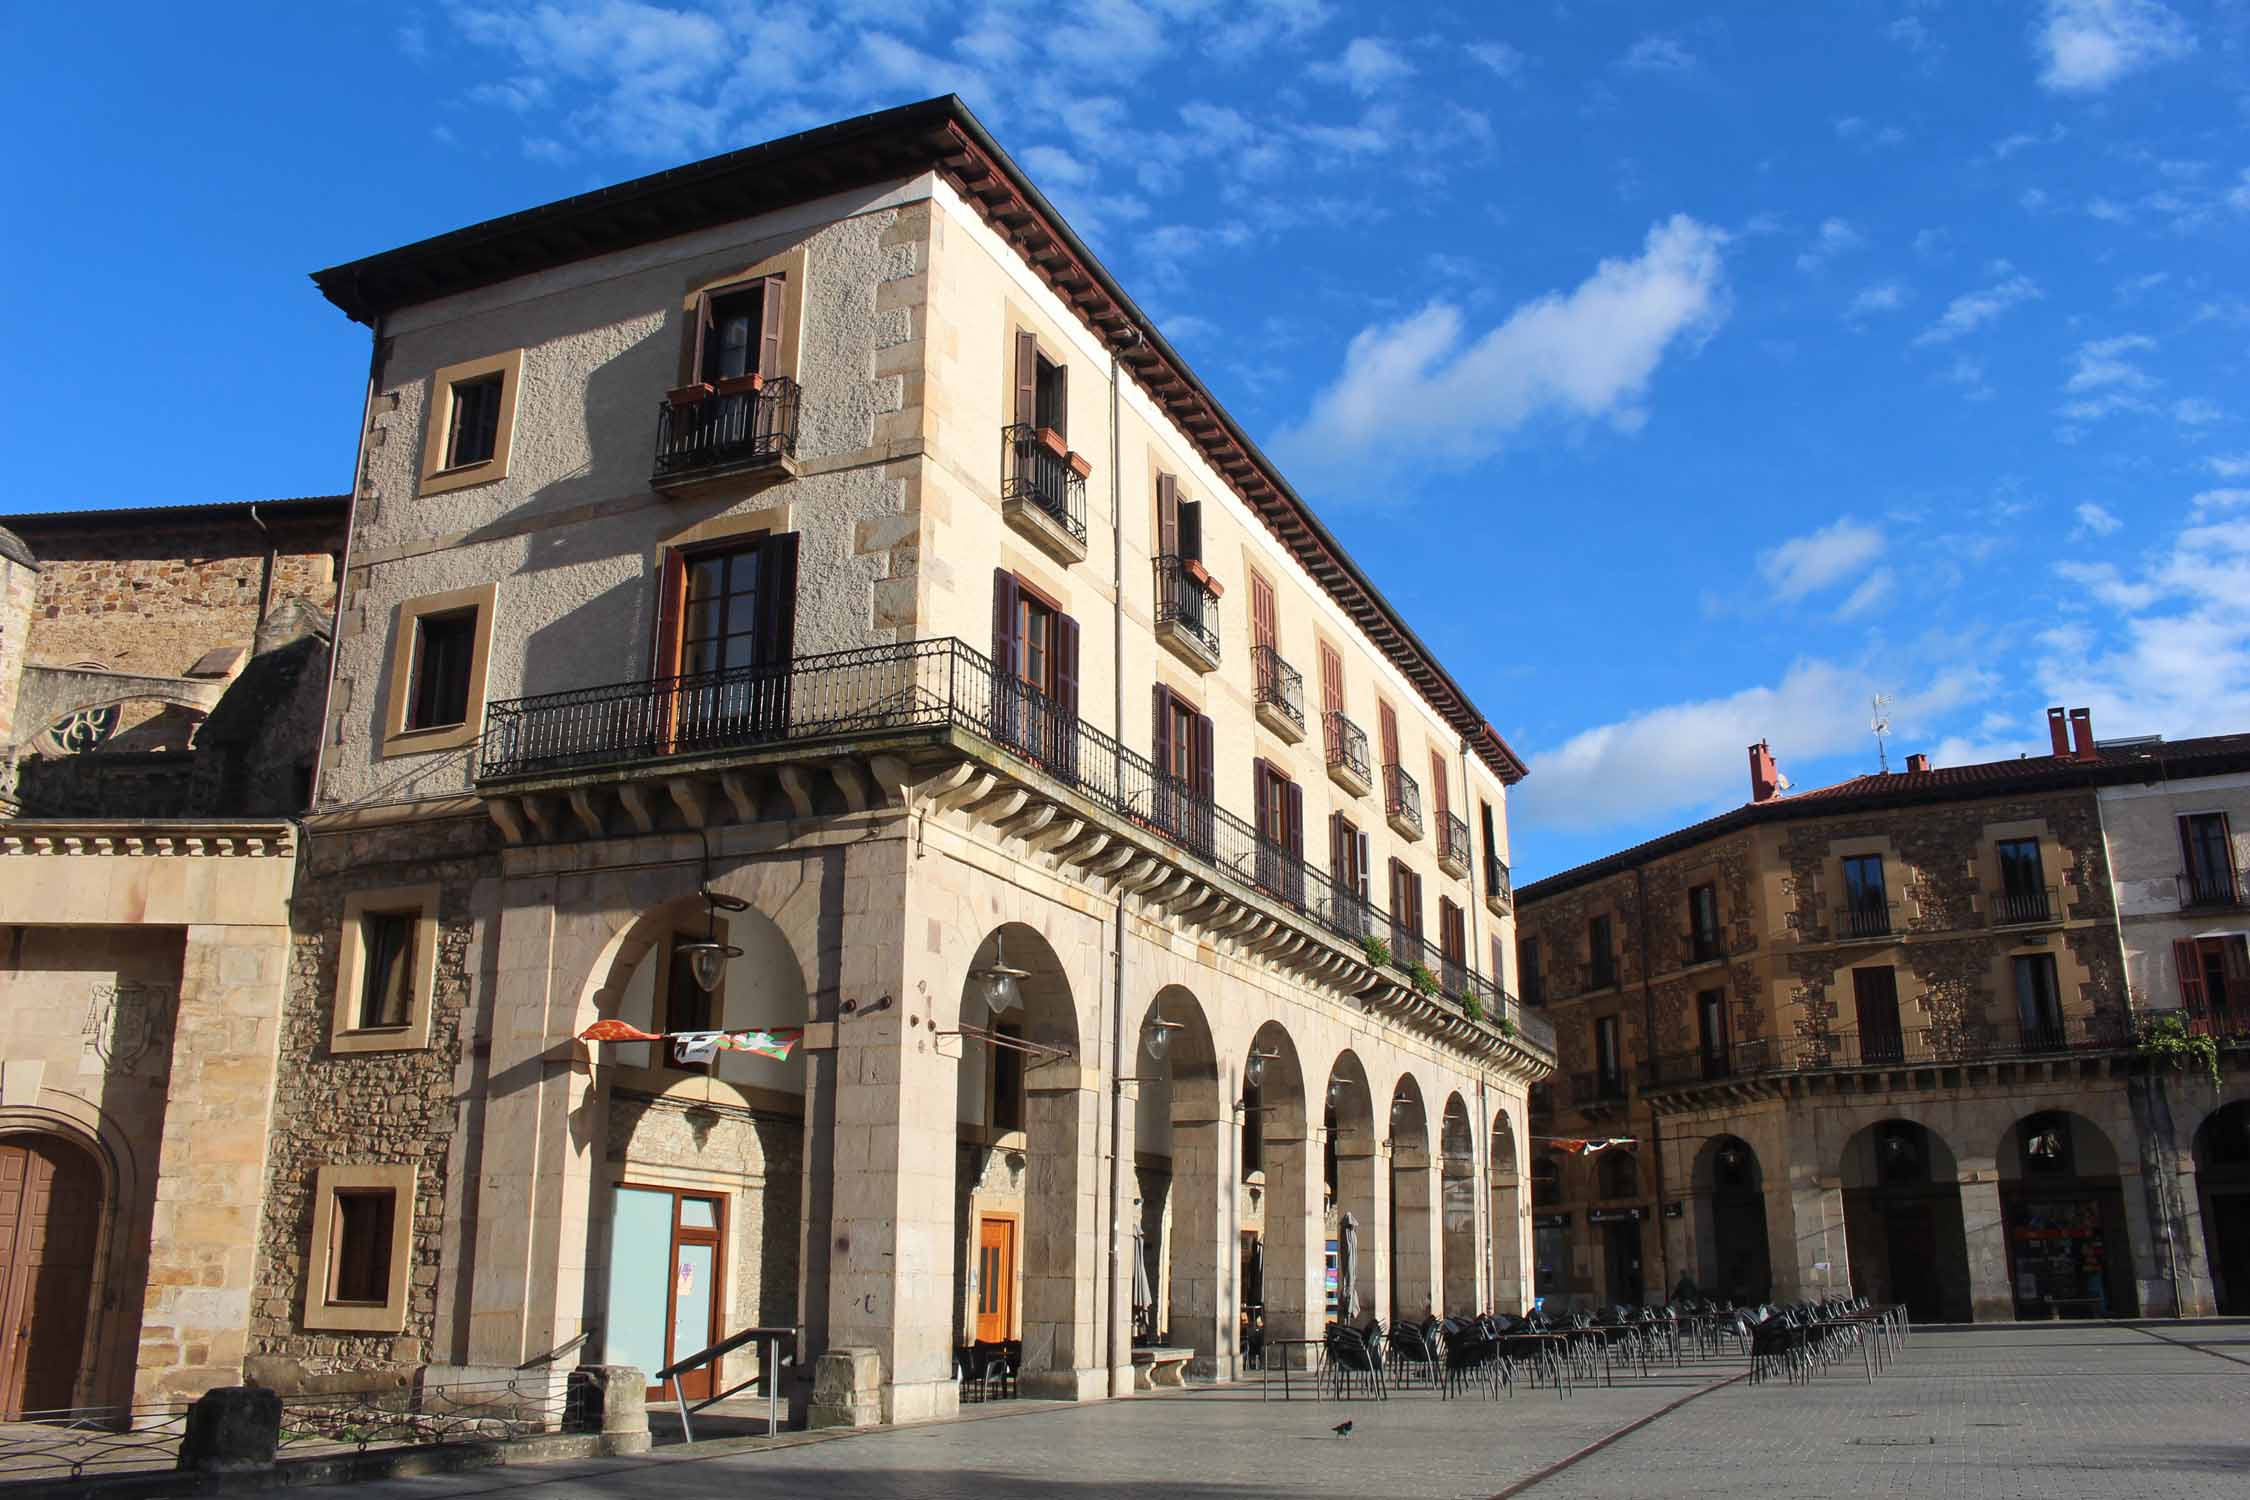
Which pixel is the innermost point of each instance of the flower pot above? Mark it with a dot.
(1080, 464)
(687, 395)
(1054, 442)
(735, 385)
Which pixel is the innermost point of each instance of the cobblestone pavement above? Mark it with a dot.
(2075, 1410)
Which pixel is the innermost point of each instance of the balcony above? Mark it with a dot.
(1281, 694)
(2208, 889)
(1187, 611)
(680, 751)
(1601, 972)
(1347, 754)
(1499, 893)
(736, 436)
(1043, 494)
(1596, 1091)
(1706, 946)
(1967, 1042)
(1402, 802)
(1860, 923)
(1453, 845)
(2030, 908)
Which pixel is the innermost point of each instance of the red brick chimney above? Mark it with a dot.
(2058, 733)
(1915, 764)
(2082, 734)
(1765, 775)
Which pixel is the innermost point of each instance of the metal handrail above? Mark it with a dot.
(1453, 839)
(1347, 745)
(1186, 603)
(1965, 1041)
(2208, 887)
(727, 430)
(1402, 794)
(2025, 908)
(1280, 685)
(561, 1349)
(1039, 476)
(1863, 921)
(769, 1370)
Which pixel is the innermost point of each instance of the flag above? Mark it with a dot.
(774, 1044)
(616, 1031)
(692, 1047)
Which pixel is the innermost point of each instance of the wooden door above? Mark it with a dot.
(695, 1288)
(50, 1215)
(996, 1280)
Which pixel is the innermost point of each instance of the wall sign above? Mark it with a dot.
(1614, 1216)
(1550, 1221)
(1672, 1210)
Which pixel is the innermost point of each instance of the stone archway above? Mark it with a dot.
(1726, 1190)
(1183, 1148)
(1509, 1292)
(1414, 1206)
(1358, 1183)
(1903, 1221)
(1457, 1223)
(2062, 1202)
(2222, 1176)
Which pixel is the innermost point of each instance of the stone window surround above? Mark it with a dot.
(1053, 347)
(1706, 873)
(397, 738)
(390, 1315)
(2053, 860)
(2074, 995)
(345, 1034)
(437, 422)
(789, 266)
(1898, 881)
(1840, 989)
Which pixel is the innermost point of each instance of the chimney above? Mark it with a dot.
(2058, 733)
(2082, 734)
(1916, 764)
(1765, 775)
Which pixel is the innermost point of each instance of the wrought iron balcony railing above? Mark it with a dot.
(1347, 748)
(2025, 908)
(1705, 945)
(2209, 887)
(1962, 1042)
(1595, 1087)
(1281, 687)
(1453, 843)
(1186, 606)
(1862, 922)
(1036, 475)
(880, 691)
(1497, 888)
(1601, 972)
(725, 432)
(1402, 801)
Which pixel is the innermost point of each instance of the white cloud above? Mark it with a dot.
(1367, 66)
(2228, 465)
(1053, 164)
(1806, 564)
(2034, 200)
(1968, 374)
(2210, 501)
(2194, 411)
(1872, 590)
(2238, 196)
(2102, 583)
(1422, 385)
(1884, 296)
(1691, 755)
(1930, 243)
(1499, 57)
(1657, 54)
(2108, 210)
(2084, 46)
(1834, 237)
(2102, 363)
(1865, 132)
(1972, 310)
(2093, 520)
(2010, 145)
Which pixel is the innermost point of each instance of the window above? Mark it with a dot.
(685, 1005)
(1331, 680)
(1184, 754)
(1495, 868)
(1711, 1032)
(1704, 941)
(359, 1256)
(1179, 522)
(739, 330)
(1867, 910)
(362, 1238)
(1875, 1000)
(1348, 862)
(1280, 807)
(470, 424)
(437, 681)
(1546, 1179)
(1050, 396)
(1441, 795)
(1007, 1079)
(1620, 1174)
(2038, 1000)
(725, 629)
(2023, 890)
(444, 651)
(386, 987)
(386, 963)
(1601, 954)
(2214, 975)
(2207, 845)
(1527, 971)
(475, 433)
(1387, 722)
(1609, 1059)
(1406, 913)
(1034, 643)
(1264, 626)
(1453, 943)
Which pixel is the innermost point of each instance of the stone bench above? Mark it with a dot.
(1160, 1367)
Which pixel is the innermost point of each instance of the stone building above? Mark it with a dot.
(162, 708)
(801, 592)
(1876, 1035)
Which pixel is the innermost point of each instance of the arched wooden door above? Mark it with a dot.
(50, 1215)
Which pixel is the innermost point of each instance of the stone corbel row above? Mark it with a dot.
(697, 799)
(221, 845)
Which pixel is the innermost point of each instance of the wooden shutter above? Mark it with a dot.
(1398, 890)
(772, 312)
(1066, 664)
(1336, 865)
(2189, 963)
(1167, 515)
(698, 333)
(1006, 649)
(2234, 960)
(1027, 378)
(1161, 744)
(1258, 800)
(777, 601)
(1293, 815)
(1390, 735)
(1191, 530)
(1062, 399)
(1262, 629)
(671, 598)
(1331, 679)
(1204, 759)
(1438, 793)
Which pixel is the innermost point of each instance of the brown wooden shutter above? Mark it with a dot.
(1066, 664)
(2234, 960)
(671, 598)
(698, 331)
(1390, 735)
(1293, 813)
(2189, 963)
(1005, 647)
(1191, 530)
(1336, 866)
(1161, 741)
(1062, 401)
(1262, 624)
(2226, 853)
(1331, 679)
(1398, 889)
(1438, 796)
(777, 597)
(1258, 800)
(772, 313)
(1027, 379)
(1205, 761)
(1167, 515)
(2187, 858)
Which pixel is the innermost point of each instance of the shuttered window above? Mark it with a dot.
(738, 330)
(1034, 646)
(1042, 387)
(1439, 796)
(1388, 721)
(1184, 754)
(1331, 680)
(1263, 631)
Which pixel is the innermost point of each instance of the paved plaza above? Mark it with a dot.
(2055, 1411)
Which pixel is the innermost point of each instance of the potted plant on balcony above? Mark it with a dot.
(735, 385)
(689, 394)
(1054, 442)
(1194, 569)
(1079, 463)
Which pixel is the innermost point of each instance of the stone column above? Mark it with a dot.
(1206, 1253)
(1984, 1227)
(1414, 1197)
(211, 1167)
(1804, 1232)
(1063, 1252)
(1509, 1253)
(2189, 1259)
(1296, 1241)
(1457, 1229)
(2147, 1271)
(1363, 1187)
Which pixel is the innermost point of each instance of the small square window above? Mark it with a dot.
(474, 434)
(386, 970)
(437, 670)
(359, 1250)
(444, 652)
(386, 983)
(469, 425)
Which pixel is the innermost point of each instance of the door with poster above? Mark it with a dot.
(664, 1266)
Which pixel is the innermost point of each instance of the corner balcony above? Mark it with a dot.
(1187, 611)
(1347, 754)
(1043, 493)
(1499, 891)
(1402, 802)
(735, 436)
(1281, 694)
(1453, 845)
(860, 732)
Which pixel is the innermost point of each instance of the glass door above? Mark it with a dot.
(664, 1267)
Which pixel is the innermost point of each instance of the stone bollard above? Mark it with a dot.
(231, 1428)
(619, 1394)
(847, 1389)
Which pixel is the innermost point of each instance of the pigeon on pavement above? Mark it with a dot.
(1343, 1429)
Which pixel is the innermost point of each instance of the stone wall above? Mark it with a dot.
(19, 587)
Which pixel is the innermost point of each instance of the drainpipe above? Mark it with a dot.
(343, 573)
(1117, 953)
(265, 578)
(1648, 1045)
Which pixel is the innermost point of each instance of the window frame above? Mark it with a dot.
(345, 1034)
(398, 737)
(439, 473)
(321, 1310)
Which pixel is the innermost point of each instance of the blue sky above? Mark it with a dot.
(1686, 376)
